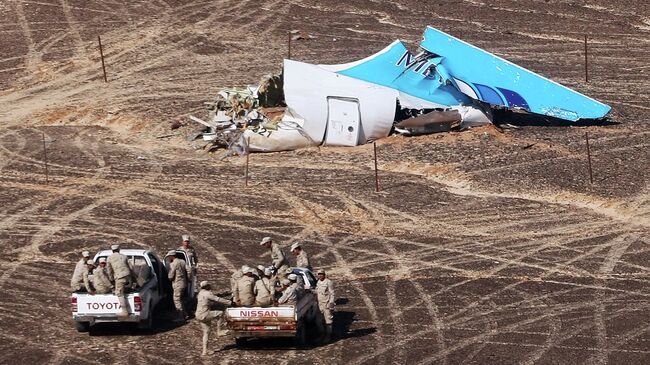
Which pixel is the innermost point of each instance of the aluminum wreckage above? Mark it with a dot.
(448, 84)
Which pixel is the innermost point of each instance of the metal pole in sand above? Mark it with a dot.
(101, 53)
(374, 146)
(591, 175)
(586, 62)
(248, 153)
(47, 174)
(289, 51)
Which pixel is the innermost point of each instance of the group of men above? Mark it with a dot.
(251, 286)
(114, 274)
(277, 285)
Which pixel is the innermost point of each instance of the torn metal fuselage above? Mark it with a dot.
(448, 84)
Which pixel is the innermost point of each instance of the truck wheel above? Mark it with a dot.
(82, 326)
(319, 325)
(240, 341)
(301, 335)
(146, 324)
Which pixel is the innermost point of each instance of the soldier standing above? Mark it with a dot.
(193, 259)
(245, 285)
(178, 276)
(77, 275)
(325, 292)
(302, 260)
(101, 281)
(204, 315)
(120, 272)
(278, 258)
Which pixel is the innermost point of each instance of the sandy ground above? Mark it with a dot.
(485, 247)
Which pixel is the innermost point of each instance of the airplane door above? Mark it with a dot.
(343, 122)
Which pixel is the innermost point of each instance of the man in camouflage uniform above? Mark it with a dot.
(101, 281)
(234, 278)
(278, 258)
(302, 260)
(90, 266)
(205, 315)
(77, 275)
(193, 259)
(289, 295)
(178, 275)
(297, 285)
(325, 292)
(263, 290)
(244, 296)
(121, 273)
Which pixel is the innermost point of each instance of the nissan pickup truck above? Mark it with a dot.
(278, 321)
(151, 288)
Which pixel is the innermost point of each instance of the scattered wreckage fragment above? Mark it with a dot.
(449, 84)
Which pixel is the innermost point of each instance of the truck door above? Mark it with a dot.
(191, 284)
(343, 122)
(157, 267)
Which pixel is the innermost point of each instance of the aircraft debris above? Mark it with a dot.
(448, 84)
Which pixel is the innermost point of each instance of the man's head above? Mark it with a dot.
(115, 248)
(292, 277)
(204, 285)
(90, 264)
(186, 240)
(266, 242)
(285, 283)
(172, 255)
(102, 261)
(295, 248)
(268, 272)
(250, 272)
(85, 254)
(321, 274)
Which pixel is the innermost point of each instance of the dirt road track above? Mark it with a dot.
(480, 248)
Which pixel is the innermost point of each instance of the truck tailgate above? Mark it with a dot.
(261, 314)
(102, 305)
(262, 322)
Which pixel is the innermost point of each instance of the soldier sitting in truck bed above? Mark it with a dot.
(244, 295)
(101, 281)
(289, 295)
(77, 276)
(262, 290)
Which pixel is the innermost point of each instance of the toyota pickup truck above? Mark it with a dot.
(152, 288)
(281, 321)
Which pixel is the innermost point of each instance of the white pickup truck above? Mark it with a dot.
(152, 288)
(281, 321)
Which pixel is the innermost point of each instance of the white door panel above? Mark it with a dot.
(343, 122)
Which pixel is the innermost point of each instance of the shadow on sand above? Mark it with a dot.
(536, 120)
(163, 322)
